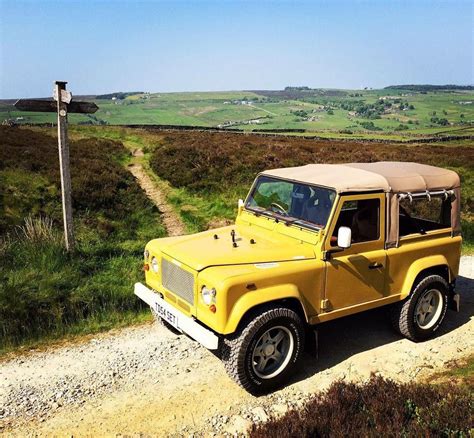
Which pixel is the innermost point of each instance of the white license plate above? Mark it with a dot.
(166, 315)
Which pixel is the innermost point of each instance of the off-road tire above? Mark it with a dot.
(237, 349)
(403, 314)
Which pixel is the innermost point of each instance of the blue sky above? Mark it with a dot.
(105, 46)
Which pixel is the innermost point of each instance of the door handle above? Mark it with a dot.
(375, 265)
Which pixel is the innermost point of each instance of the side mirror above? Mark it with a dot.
(240, 205)
(344, 237)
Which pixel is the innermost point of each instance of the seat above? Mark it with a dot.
(318, 208)
(365, 222)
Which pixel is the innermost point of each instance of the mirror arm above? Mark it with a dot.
(327, 253)
(240, 206)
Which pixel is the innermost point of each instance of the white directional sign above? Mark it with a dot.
(66, 96)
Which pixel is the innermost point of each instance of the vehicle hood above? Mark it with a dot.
(202, 250)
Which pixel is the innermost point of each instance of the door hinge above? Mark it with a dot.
(325, 305)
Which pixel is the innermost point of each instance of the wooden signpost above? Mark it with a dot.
(62, 104)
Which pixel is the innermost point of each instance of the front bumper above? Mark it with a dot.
(184, 323)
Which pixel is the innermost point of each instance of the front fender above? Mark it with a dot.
(260, 296)
(419, 266)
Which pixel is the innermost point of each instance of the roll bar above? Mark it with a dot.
(441, 193)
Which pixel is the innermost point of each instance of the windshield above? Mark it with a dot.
(295, 203)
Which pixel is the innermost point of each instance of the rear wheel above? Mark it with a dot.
(262, 355)
(422, 312)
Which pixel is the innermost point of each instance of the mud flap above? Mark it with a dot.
(312, 346)
(454, 302)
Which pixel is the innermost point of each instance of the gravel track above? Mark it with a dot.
(148, 381)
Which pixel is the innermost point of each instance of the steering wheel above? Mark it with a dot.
(280, 208)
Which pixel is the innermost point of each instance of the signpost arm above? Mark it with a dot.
(64, 168)
(63, 105)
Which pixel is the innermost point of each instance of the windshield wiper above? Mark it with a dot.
(287, 220)
(305, 224)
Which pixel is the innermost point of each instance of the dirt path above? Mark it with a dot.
(171, 220)
(147, 381)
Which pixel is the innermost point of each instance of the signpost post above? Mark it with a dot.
(62, 106)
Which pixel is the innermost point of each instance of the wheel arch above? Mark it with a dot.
(285, 296)
(433, 265)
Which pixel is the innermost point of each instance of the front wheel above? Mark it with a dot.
(261, 356)
(421, 314)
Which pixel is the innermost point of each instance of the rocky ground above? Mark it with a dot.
(147, 381)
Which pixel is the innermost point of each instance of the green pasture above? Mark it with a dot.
(430, 113)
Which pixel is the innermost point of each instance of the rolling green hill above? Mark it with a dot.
(393, 112)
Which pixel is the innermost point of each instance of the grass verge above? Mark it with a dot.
(45, 292)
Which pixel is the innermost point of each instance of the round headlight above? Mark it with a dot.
(146, 254)
(208, 295)
(154, 265)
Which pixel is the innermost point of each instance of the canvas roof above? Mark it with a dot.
(389, 176)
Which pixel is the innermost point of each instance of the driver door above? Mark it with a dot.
(356, 275)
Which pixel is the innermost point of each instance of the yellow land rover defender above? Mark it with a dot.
(311, 244)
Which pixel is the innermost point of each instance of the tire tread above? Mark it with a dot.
(400, 314)
(235, 343)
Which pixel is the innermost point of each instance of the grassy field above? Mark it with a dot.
(44, 291)
(387, 113)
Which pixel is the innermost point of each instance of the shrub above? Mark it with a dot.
(38, 229)
(402, 127)
(214, 162)
(379, 407)
(99, 181)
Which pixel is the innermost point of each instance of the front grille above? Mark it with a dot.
(178, 280)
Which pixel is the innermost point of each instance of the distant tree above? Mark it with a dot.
(370, 126)
(438, 121)
(401, 127)
(462, 116)
(300, 113)
(424, 88)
